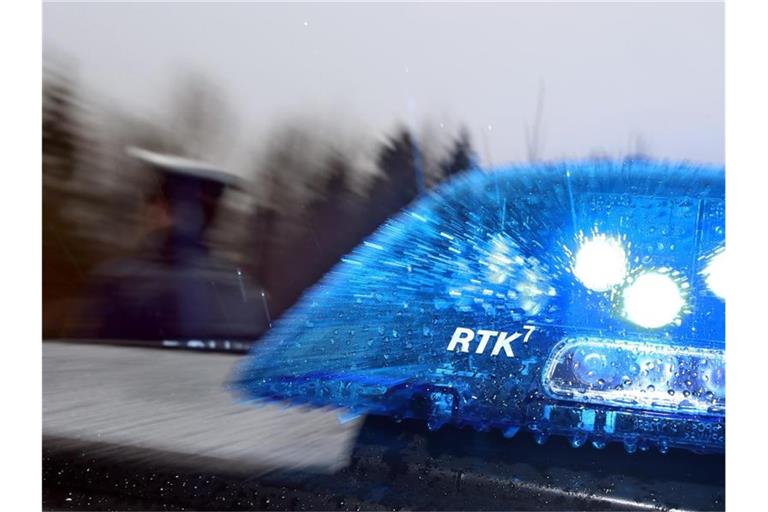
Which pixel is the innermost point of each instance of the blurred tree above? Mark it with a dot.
(288, 179)
(308, 216)
(397, 185)
(326, 213)
(396, 161)
(328, 233)
(462, 157)
(64, 265)
(434, 144)
(60, 126)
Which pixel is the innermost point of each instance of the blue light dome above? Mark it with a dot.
(471, 306)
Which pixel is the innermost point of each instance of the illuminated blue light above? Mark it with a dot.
(652, 300)
(495, 251)
(588, 419)
(715, 274)
(600, 263)
(638, 375)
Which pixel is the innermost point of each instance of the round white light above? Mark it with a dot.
(652, 300)
(715, 273)
(600, 263)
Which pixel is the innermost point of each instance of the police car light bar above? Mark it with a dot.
(581, 299)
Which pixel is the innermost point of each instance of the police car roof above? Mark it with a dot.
(180, 165)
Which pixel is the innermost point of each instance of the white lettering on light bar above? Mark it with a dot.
(463, 336)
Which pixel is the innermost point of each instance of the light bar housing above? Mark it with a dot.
(462, 309)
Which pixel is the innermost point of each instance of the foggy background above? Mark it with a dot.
(611, 74)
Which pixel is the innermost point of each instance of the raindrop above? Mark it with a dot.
(578, 440)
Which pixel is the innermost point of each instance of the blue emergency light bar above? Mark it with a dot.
(581, 299)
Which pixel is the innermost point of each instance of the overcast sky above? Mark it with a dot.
(611, 72)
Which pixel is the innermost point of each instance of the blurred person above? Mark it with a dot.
(173, 288)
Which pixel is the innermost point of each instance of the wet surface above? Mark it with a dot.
(392, 465)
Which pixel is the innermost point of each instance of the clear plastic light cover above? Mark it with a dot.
(467, 306)
(637, 374)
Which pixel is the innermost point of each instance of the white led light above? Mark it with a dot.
(715, 274)
(653, 300)
(600, 263)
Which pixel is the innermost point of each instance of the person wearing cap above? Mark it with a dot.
(173, 289)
